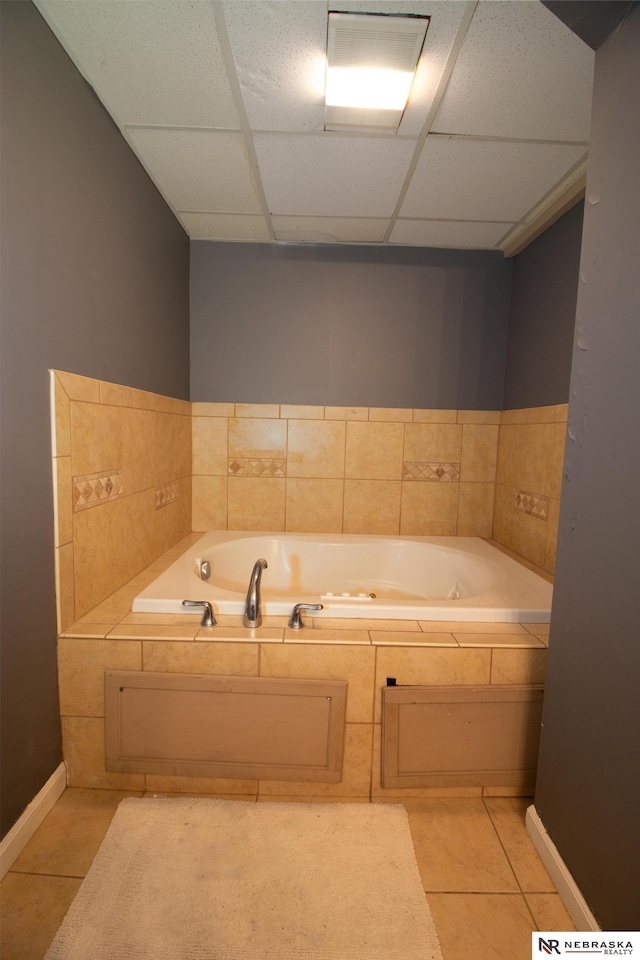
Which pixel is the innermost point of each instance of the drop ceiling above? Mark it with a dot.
(222, 102)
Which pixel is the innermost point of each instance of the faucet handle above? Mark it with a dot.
(208, 617)
(296, 622)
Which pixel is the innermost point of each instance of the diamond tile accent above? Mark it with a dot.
(532, 504)
(166, 495)
(257, 467)
(90, 490)
(412, 470)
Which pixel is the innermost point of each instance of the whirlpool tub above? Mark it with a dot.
(408, 578)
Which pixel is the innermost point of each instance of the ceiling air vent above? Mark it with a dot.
(371, 62)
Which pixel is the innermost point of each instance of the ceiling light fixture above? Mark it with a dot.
(371, 62)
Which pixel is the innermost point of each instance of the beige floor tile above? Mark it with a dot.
(68, 839)
(549, 912)
(508, 815)
(482, 926)
(33, 908)
(457, 848)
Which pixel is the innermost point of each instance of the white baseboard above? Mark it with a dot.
(566, 886)
(23, 829)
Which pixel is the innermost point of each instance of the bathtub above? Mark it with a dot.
(379, 577)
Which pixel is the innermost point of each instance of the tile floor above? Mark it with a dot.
(485, 884)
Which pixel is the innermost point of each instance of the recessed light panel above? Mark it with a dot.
(371, 61)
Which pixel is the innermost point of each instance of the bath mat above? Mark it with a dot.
(197, 879)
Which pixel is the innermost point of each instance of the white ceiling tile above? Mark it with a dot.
(448, 233)
(279, 50)
(151, 62)
(198, 170)
(521, 73)
(329, 175)
(329, 229)
(225, 226)
(457, 179)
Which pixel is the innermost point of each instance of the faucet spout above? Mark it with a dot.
(253, 605)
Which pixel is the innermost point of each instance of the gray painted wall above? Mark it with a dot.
(348, 325)
(95, 281)
(589, 773)
(542, 316)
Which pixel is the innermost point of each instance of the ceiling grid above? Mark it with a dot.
(223, 103)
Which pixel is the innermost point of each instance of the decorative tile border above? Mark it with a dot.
(166, 495)
(412, 470)
(257, 467)
(93, 489)
(531, 503)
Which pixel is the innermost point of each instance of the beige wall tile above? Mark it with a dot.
(83, 752)
(475, 510)
(210, 659)
(81, 667)
(316, 662)
(260, 410)
(209, 503)
(97, 573)
(374, 451)
(409, 638)
(142, 542)
(316, 448)
(65, 596)
(356, 771)
(518, 666)
(210, 445)
(479, 452)
(346, 413)
(79, 388)
(96, 438)
(115, 394)
(551, 543)
(185, 631)
(314, 506)
(221, 786)
(524, 534)
(172, 447)
(433, 442)
(138, 449)
(432, 665)
(513, 416)
(145, 400)
(391, 414)
(525, 454)
(256, 503)
(561, 412)
(557, 459)
(183, 507)
(372, 506)
(541, 414)
(294, 411)
(435, 416)
(60, 418)
(478, 416)
(199, 409)
(429, 509)
(257, 437)
(62, 502)
(470, 627)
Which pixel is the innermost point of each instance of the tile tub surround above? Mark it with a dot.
(122, 485)
(363, 652)
(323, 469)
(528, 482)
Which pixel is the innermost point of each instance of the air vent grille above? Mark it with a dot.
(389, 43)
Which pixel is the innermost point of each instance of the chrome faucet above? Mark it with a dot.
(253, 605)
